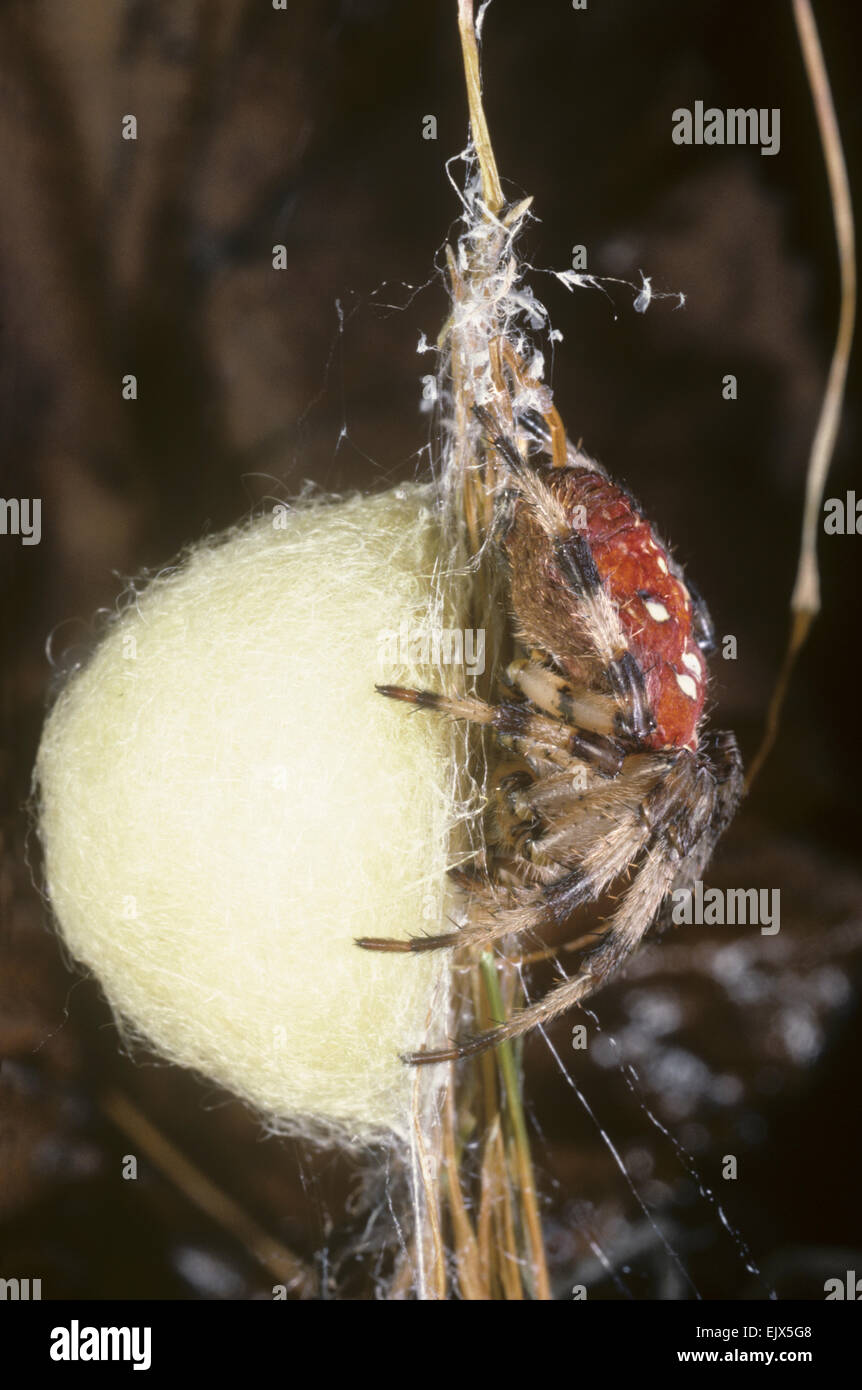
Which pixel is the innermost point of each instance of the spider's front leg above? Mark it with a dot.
(683, 808)
(528, 734)
(518, 727)
(578, 705)
(558, 593)
(624, 933)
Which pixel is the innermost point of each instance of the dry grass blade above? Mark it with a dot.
(805, 600)
(492, 192)
(471, 1279)
(497, 1218)
(285, 1267)
(522, 1161)
(490, 1260)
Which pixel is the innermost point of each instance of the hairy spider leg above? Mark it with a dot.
(570, 703)
(502, 354)
(578, 568)
(626, 928)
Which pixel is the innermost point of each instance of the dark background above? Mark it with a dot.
(154, 257)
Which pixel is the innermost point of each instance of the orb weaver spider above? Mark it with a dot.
(603, 706)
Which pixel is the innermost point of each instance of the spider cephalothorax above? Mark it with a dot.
(603, 710)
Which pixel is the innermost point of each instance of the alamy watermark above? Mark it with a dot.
(439, 646)
(77, 1343)
(717, 907)
(843, 517)
(20, 1290)
(737, 126)
(847, 1288)
(21, 516)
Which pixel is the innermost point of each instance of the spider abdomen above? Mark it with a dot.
(654, 605)
(631, 566)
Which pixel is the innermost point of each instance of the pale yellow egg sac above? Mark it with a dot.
(226, 804)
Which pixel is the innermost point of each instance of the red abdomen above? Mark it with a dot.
(654, 606)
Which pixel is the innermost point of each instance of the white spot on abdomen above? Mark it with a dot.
(656, 610)
(686, 685)
(693, 663)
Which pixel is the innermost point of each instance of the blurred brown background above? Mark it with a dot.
(303, 127)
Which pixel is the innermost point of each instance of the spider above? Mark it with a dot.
(603, 707)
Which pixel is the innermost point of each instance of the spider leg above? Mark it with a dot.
(547, 822)
(660, 827)
(516, 726)
(516, 824)
(557, 794)
(535, 426)
(580, 943)
(513, 722)
(626, 929)
(574, 559)
(524, 909)
(569, 703)
(502, 353)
